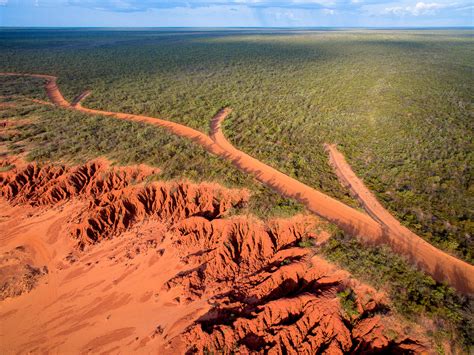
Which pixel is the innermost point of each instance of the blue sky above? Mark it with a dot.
(246, 13)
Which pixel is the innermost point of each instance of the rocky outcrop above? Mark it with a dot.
(271, 295)
(118, 210)
(115, 199)
(39, 185)
(266, 289)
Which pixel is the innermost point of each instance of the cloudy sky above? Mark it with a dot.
(245, 13)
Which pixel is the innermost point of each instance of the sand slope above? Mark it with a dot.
(154, 268)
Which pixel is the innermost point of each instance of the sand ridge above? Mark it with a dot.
(442, 266)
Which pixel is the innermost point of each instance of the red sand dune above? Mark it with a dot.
(437, 263)
(167, 274)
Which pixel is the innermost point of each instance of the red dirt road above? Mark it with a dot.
(324, 206)
(437, 263)
(434, 261)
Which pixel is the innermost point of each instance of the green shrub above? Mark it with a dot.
(412, 292)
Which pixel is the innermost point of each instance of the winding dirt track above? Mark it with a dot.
(401, 239)
(382, 228)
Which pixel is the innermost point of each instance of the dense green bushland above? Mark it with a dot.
(414, 294)
(398, 103)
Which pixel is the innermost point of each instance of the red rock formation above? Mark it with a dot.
(270, 295)
(115, 203)
(43, 185)
(116, 211)
(257, 285)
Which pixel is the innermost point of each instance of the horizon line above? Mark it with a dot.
(239, 27)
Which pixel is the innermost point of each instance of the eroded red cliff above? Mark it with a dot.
(201, 279)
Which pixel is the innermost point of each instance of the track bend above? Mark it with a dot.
(440, 265)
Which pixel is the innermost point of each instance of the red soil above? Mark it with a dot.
(167, 273)
(5, 105)
(11, 124)
(458, 273)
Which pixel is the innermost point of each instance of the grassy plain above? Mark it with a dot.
(397, 103)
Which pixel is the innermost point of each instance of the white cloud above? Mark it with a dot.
(420, 8)
(137, 5)
(468, 7)
(329, 11)
(286, 15)
(3, 2)
(313, 2)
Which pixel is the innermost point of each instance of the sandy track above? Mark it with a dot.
(440, 265)
(337, 212)
(79, 98)
(51, 88)
(434, 261)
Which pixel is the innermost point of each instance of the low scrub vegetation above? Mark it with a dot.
(398, 104)
(414, 294)
(52, 134)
